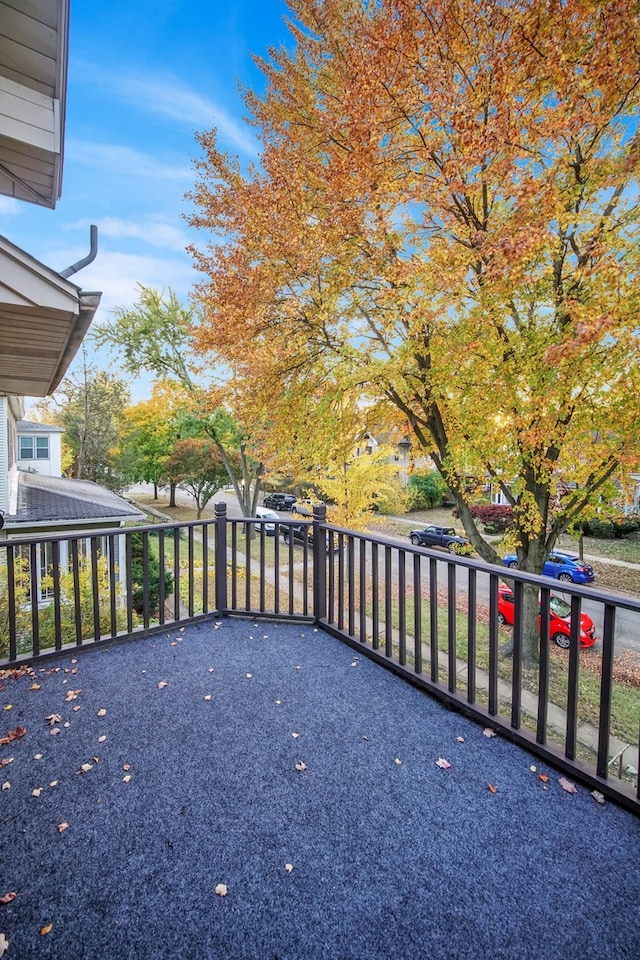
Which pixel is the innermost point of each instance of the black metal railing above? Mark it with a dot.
(431, 617)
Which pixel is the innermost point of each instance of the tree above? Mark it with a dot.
(459, 185)
(149, 433)
(196, 466)
(155, 335)
(89, 405)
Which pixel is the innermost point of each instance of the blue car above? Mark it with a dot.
(563, 566)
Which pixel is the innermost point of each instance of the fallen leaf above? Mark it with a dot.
(75, 709)
(221, 889)
(54, 731)
(278, 702)
(567, 785)
(249, 675)
(207, 696)
(37, 756)
(66, 725)
(365, 738)
(460, 739)
(533, 768)
(543, 777)
(492, 789)
(72, 695)
(354, 664)
(86, 767)
(34, 686)
(7, 760)
(8, 897)
(102, 712)
(295, 735)
(301, 766)
(288, 867)
(45, 930)
(597, 796)
(488, 732)
(62, 827)
(4, 944)
(14, 735)
(163, 684)
(102, 738)
(126, 766)
(6, 785)
(126, 778)
(9, 706)
(211, 670)
(441, 762)
(36, 792)
(54, 783)
(398, 761)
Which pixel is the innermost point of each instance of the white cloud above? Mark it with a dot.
(167, 95)
(117, 275)
(125, 161)
(9, 207)
(154, 231)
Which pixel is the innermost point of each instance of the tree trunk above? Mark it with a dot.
(172, 494)
(155, 491)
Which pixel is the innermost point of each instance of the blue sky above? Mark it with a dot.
(143, 77)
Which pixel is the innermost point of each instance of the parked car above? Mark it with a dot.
(561, 565)
(278, 501)
(303, 533)
(559, 619)
(433, 536)
(304, 506)
(263, 514)
(300, 532)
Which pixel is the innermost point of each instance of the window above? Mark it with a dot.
(34, 448)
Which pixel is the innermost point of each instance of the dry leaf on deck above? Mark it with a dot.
(62, 827)
(288, 867)
(45, 930)
(163, 684)
(72, 694)
(8, 897)
(492, 789)
(567, 785)
(101, 712)
(221, 889)
(488, 732)
(4, 944)
(441, 762)
(301, 766)
(14, 735)
(597, 796)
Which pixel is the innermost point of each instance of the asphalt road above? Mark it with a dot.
(627, 631)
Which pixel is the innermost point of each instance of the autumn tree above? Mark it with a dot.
(196, 466)
(155, 335)
(149, 431)
(446, 214)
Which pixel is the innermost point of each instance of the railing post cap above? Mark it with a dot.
(320, 512)
(220, 509)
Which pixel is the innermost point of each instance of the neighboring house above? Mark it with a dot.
(43, 315)
(39, 448)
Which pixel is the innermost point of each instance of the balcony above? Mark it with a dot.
(237, 729)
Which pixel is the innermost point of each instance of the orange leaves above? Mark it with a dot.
(15, 734)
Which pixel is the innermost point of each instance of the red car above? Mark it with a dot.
(559, 619)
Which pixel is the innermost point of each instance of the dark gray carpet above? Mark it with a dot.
(390, 860)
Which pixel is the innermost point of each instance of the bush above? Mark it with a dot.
(608, 529)
(425, 490)
(495, 516)
(152, 586)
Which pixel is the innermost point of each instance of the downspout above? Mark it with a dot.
(93, 231)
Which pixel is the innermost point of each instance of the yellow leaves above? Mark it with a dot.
(72, 695)
(53, 719)
(46, 929)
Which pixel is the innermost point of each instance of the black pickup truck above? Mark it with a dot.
(446, 537)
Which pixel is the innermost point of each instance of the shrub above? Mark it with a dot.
(498, 517)
(608, 529)
(152, 586)
(425, 490)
